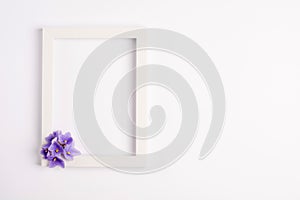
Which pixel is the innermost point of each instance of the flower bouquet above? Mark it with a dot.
(59, 147)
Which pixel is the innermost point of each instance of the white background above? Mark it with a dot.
(255, 46)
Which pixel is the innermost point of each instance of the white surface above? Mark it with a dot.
(255, 45)
(69, 55)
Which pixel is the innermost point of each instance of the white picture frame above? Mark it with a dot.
(51, 34)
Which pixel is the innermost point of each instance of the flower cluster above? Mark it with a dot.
(58, 147)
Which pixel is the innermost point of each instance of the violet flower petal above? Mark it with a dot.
(57, 133)
(56, 161)
(65, 139)
(44, 152)
(70, 152)
(55, 148)
(52, 136)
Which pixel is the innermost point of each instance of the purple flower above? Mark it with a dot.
(70, 152)
(58, 146)
(65, 139)
(44, 151)
(53, 135)
(55, 148)
(55, 161)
